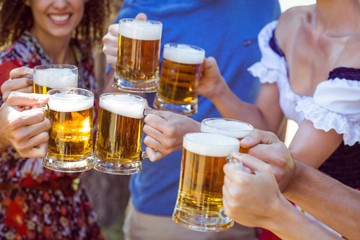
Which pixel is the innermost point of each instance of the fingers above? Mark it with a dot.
(141, 16)
(153, 155)
(258, 136)
(110, 42)
(35, 152)
(25, 118)
(20, 72)
(209, 62)
(26, 99)
(28, 131)
(155, 119)
(254, 164)
(21, 84)
(34, 147)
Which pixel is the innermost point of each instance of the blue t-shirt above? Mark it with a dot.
(226, 30)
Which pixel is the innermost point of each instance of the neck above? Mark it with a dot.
(338, 17)
(58, 49)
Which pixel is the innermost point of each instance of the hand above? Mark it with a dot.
(267, 147)
(211, 83)
(110, 41)
(25, 130)
(251, 198)
(165, 131)
(20, 79)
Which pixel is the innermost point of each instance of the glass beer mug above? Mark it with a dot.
(180, 73)
(137, 67)
(70, 145)
(226, 126)
(199, 204)
(47, 77)
(119, 134)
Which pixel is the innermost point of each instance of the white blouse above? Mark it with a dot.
(334, 105)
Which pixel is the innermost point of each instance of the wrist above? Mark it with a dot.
(220, 90)
(295, 179)
(278, 213)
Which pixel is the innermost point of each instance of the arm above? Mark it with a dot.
(339, 208)
(213, 86)
(253, 198)
(305, 144)
(314, 191)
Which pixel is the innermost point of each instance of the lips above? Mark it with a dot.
(60, 18)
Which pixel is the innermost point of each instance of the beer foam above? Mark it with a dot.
(70, 102)
(183, 53)
(232, 128)
(210, 144)
(123, 104)
(56, 78)
(141, 30)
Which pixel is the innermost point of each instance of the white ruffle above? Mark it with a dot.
(340, 95)
(326, 120)
(271, 66)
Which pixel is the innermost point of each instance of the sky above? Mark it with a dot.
(285, 4)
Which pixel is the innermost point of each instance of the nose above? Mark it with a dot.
(60, 3)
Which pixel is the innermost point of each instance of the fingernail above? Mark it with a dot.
(246, 140)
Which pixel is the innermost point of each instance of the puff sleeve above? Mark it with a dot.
(272, 65)
(335, 105)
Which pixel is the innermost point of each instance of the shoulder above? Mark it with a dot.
(290, 22)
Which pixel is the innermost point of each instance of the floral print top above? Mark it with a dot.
(35, 202)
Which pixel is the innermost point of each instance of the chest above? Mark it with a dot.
(310, 59)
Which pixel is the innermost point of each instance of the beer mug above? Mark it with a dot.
(70, 145)
(47, 77)
(226, 126)
(199, 204)
(180, 73)
(137, 66)
(119, 134)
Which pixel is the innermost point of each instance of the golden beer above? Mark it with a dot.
(47, 77)
(229, 127)
(70, 144)
(137, 67)
(199, 202)
(118, 139)
(180, 73)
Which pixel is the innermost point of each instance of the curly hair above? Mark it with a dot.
(90, 30)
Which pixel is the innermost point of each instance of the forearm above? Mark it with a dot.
(331, 202)
(230, 106)
(292, 224)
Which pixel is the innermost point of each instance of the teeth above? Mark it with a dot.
(60, 17)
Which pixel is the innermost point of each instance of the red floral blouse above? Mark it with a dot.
(37, 203)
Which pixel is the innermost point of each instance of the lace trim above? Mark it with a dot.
(326, 120)
(346, 73)
(265, 74)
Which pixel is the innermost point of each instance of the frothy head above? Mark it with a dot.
(69, 101)
(141, 30)
(183, 53)
(56, 77)
(210, 144)
(229, 127)
(127, 105)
